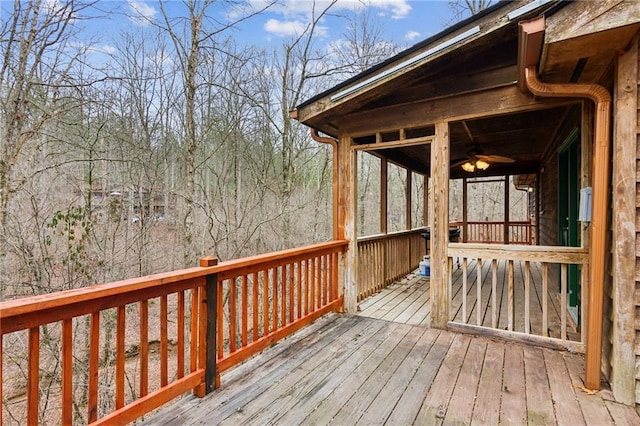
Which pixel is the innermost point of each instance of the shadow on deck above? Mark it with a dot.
(346, 369)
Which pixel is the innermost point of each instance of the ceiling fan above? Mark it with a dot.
(478, 160)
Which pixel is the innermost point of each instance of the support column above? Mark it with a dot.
(383, 195)
(625, 139)
(347, 208)
(407, 199)
(425, 202)
(440, 226)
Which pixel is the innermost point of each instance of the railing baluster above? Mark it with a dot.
(233, 302)
(464, 290)
(256, 318)
(291, 290)
(299, 295)
(67, 371)
(313, 284)
(479, 292)
(563, 301)
(494, 291)
(144, 347)
(449, 284)
(275, 299)
(120, 349)
(193, 338)
(94, 351)
(283, 301)
(201, 390)
(33, 382)
(219, 318)
(245, 310)
(545, 297)
(164, 347)
(510, 308)
(527, 297)
(180, 322)
(265, 302)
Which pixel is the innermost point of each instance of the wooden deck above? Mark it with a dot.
(346, 369)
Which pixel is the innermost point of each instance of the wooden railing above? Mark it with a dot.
(256, 301)
(384, 258)
(506, 288)
(492, 232)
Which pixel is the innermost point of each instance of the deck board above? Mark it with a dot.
(347, 369)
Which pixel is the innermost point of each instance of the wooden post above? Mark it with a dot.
(506, 210)
(625, 138)
(211, 376)
(440, 225)
(537, 204)
(407, 215)
(383, 195)
(465, 205)
(347, 224)
(425, 202)
(408, 200)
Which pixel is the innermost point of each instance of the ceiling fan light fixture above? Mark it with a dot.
(482, 165)
(471, 166)
(468, 167)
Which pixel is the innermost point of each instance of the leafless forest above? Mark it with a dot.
(174, 143)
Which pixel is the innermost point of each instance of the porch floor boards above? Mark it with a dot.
(346, 369)
(407, 301)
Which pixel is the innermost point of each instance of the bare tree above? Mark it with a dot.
(465, 8)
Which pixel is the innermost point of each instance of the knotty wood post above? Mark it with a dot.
(623, 357)
(347, 223)
(211, 376)
(440, 226)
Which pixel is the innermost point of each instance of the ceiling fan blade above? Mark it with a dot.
(458, 162)
(495, 159)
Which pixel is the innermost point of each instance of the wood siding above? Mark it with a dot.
(636, 128)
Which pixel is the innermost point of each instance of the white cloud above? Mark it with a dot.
(142, 13)
(290, 28)
(411, 35)
(398, 8)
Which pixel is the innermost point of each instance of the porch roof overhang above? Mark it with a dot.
(468, 75)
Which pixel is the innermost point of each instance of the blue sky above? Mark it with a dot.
(404, 22)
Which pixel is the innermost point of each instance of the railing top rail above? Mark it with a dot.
(551, 254)
(493, 222)
(390, 234)
(52, 301)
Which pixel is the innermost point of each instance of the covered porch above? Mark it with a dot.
(533, 112)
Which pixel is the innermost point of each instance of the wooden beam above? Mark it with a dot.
(440, 226)
(394, 144)
(502, 100)
(624, 229)
(347, 208)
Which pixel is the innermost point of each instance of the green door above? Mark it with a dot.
(568, 204)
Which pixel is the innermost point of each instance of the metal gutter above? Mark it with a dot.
(531, 39)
